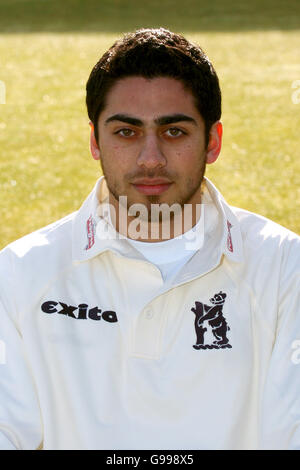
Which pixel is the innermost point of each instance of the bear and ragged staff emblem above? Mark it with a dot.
(211, 316)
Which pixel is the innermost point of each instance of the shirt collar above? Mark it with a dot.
(92, 234)
(231, 242)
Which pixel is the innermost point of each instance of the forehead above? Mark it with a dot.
(150, 98)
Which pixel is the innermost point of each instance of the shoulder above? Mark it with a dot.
(261, 230)
(260, 235)
(267, 240)
(31, 261)
(46, 240)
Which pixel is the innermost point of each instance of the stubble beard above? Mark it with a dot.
(190, 187)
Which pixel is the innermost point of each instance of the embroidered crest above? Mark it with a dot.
(229, 239)
(211, 316)
(90, 230)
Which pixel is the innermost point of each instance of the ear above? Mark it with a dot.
(94, 147)
(215, 142)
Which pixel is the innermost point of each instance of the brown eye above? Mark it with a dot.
(174, 132)
(125, 132)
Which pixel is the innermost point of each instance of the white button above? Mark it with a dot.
(148, 313)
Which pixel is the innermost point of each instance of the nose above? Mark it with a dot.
(151, 155)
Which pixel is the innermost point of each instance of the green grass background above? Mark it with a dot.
(47, 49)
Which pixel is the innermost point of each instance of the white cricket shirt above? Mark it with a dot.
(101, 353)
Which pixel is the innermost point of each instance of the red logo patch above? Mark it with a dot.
(229, 239)
(90, 229)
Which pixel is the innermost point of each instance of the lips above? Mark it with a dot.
(152, 186)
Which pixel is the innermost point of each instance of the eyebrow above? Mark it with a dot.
(161, 121)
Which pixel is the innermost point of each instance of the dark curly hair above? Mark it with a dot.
(152, 53)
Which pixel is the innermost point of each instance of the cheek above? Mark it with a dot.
(112, 149)
(187, 158)
(117, 161)
(187, 150)
(110, 152)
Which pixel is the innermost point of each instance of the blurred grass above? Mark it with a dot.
(47, 50)
(121, 15)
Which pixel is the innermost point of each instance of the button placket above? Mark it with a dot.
(147, 334)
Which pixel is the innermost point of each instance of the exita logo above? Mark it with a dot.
(82, 311)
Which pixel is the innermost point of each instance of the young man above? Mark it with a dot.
(157, 316)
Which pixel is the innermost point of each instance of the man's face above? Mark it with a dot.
(152, 142)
